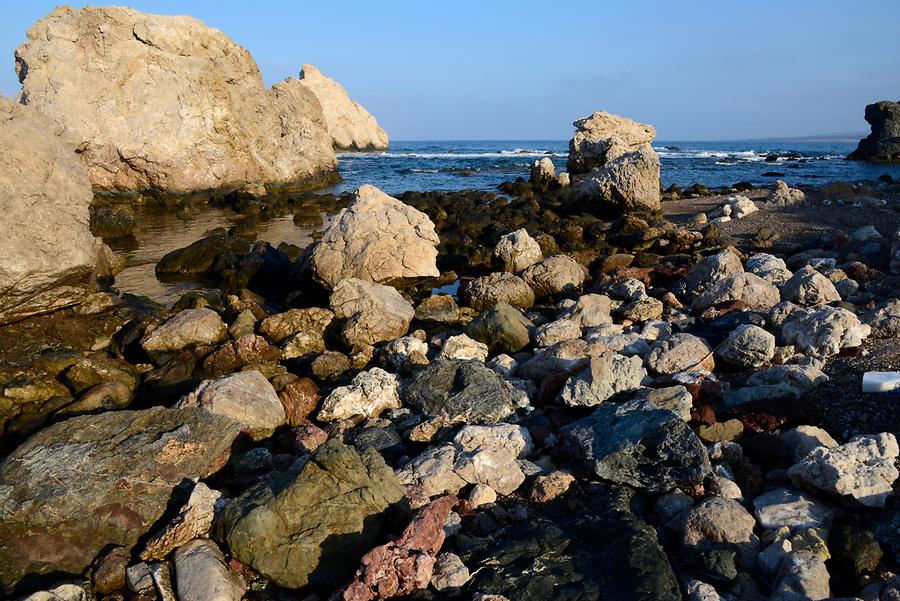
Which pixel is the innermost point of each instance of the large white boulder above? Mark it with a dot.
(351, 126)
(376, 238)
(47, 252)
(612, 161)
(166, 103)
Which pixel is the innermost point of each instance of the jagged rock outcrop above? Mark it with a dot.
(612, 161)
(47, 252)
(350, 125)
(378, 239)
(165, 103)
(883, 144)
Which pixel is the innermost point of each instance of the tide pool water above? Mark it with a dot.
(450, 166)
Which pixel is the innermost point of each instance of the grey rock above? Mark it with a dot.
(201, 573)
(607, 374)
(462, 391)
(802, 577)
(649, 449)
(559, 274)
(747, 347)
(680, 352)
(373, 312)
(517, 250)
(758, 294)
(787, 507)
(809, 288)
(884, 320)
(190, 327)
(711, 269)
(503, 328)
(824, 332)
(882, 144)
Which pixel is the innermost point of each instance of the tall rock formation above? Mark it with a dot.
(47, 252)
(883, 144)
(612, 161)
(164, 103)
(351, 126)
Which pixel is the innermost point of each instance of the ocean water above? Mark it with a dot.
(451, 166)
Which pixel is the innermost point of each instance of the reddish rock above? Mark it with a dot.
(299, 399)
(762, 422)
(109, 573)
(403, 566)
(304, 438)
(704, 414)
(235, 354)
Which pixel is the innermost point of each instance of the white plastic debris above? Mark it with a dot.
(881, 381)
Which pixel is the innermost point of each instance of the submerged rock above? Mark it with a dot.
(376, 238)
(304, 526)
(92, 481)
(350, 125)
(197, 116)
(47, 253)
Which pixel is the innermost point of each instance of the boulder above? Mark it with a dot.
(787, 507)
(517, 250)
(720, 524)
(639, 445)
(97, 480)
(463, 347)
(629, 182)
(246, 397)
(503, 328)
(589, 311)
(368, 395)
(612, 159)
(861, 471)
(769, 267)
(883, 144)
(747, 347)
(801, 577)
(305, 525)
(809, 288)
(166, 103)
(781, 194)
(432, 472)
(559, 274)
(201, 574)
(376, 238)
(194, 520)
(555, 332)
(233, 355)
(603, 137)
(824, 332)
(373, 313)
(680, 352)
(756, 293)
(281, 326)
(47, 253)
(191, 327)
(484, 292)
(543, 173)
(350, 125)
(462, 391)
(709, 270)
(884, 319)
(801, 440)
(607, 374)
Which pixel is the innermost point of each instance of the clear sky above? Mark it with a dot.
(466, 69)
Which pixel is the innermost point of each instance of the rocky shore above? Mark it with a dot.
(577, 387)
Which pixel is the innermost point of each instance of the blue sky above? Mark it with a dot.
(696, 70)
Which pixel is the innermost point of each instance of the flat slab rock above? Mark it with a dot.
(97, 480)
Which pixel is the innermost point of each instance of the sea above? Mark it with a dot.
(453, 166)
(484, 165)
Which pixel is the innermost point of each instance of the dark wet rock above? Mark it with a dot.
(310, 524)
(206, 255)
(648, 448)
(98, 480)
(112, 220)
(464, 391)
(883, 144)
(591, 548)
(503, 328)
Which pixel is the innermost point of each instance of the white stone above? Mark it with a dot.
(376, 238)
(514, 439)
(809, 288)
(555, 332)
(247, 397)
(769, 267)
(802, 577)
(861, 471)
(782, 194)
(517, 251)
(463, 347)
(558, 274)
(824, 332)
(368, 395)
(679, 352)
(449, 572)
(787, 507)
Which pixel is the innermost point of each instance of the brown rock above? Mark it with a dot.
(109, 572)
(546, 488)
(193, 520)
(405, 565)
(299, 399)
(235, 354)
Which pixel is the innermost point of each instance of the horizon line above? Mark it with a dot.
(822, 137)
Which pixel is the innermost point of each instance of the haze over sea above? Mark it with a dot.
(483, 165)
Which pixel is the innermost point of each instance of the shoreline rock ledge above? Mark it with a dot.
(611, 160)
(351, 126)
(883, 144)
(165, 104)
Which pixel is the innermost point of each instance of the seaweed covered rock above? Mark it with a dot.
(309, 525)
